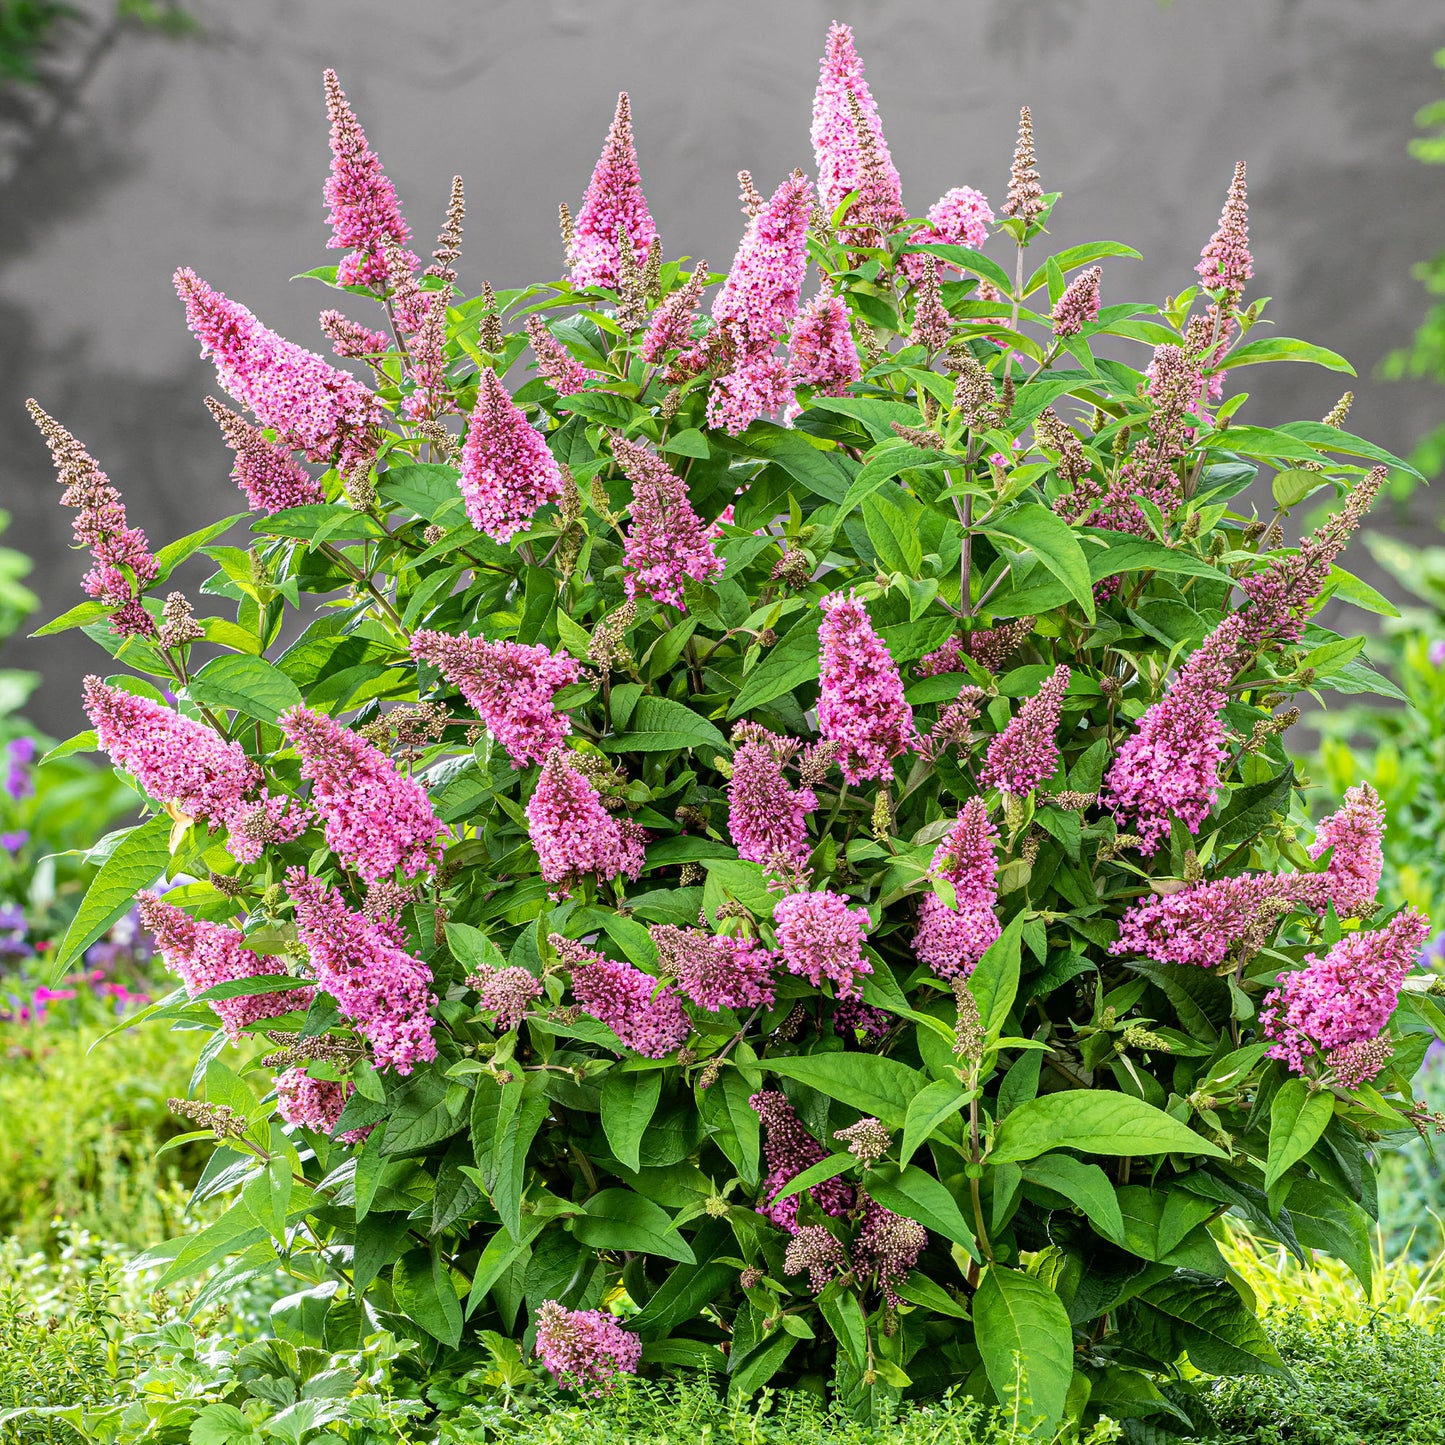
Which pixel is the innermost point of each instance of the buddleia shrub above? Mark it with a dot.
(769, 848)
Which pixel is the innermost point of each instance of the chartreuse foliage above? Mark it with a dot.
(1072, 1149)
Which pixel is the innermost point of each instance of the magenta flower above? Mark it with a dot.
(614, 201)
(666, 542)
(671, 326)
(821, 351)
(759, 385)
(714, 970)
(175, 759)
(959, 217)
(1026, 752)
(763, 288)
(646, 1015)
(365, 213)
(1079, 305)
(861, 705)
(820, 937)
(264, 470)
(788, 1149)
(585, 1350)
(309, 404)
(1344, 998)
(507, 471)
(571, 830)
(1225, 263)
(351, 339)
(203, 955)
(1169, 767)
(427, 365)
(890, 1244)
(123, 566)
(384, 991)
(554, 362)
(952, 940)
(507, 993)
(767, 818)
(315, 1104)
(511, 686)
(847, 162)
(376, 820)
(1355, 867)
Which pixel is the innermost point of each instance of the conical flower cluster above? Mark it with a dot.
(767, 817)
(264, 470)
(365, 213)
(510, 684)
(821, 350)
(820, 937)
(571, 830)
(376, 820)
(309, 404)
(1225, 264)
(585, 1350)
(666, 542)
(1026, 752)
(507, 471)
(951, 940)
(861, 705)
(647, 1016)
(614, 201)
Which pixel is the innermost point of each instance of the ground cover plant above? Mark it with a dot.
(774, 852)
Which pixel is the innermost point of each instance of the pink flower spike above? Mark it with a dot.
(861, 705)
(1352, 876)
(788, 1149)
(123, 565)
(768, 819)
(666, 542)
(365, 212)
(821, 352)
(764, 285)
(842, 157)
(671, 326)
(205, 954)
(1345, 997)
(820, 937)
(510, 685)
(1026, 752)
(308, 403)
(507, 470)
(315, 1104)
(376, 820)
(647, 1016)
(264, 470)
(952, 940)
(1079, 305)
(1225, 263)
(614, 199)
(585, 1350)
(377, 985)
(959, 217)
(570, 829)
(714, 970)
(1169, 767)
(554, 362)
(174, 758)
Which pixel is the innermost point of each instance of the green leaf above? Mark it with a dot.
(1138, 554)
(918, 1289)
(135, 863)
(684, 1293)
(758, 1366)
(1325, 1219)
(1210, 1321)
(1297, 1118)
(245, 987)
(628, 1104)
(472, 948)
(1331, 439)
(1285, 348)
(1021, 1325)
(81, 615)
(689, 443)
(1094, 1121)
(941, 1100)
(422, 1284)
(917, 1195)
(219, 1424)
(1072, 257)
(819, 1173)
(823, 469)
(875, 1085)
(173, 554)
(660, 725)
(994, 984)
(790, 663)
(967, 259)
(1290, 488)
(620, 1219)
(894, 533)
(246, 684)
(1085, 1185)
(1049, 538)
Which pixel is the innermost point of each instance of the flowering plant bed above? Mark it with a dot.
(774, 853)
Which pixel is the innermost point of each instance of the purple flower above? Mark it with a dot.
(13, 842)
(1437, 652)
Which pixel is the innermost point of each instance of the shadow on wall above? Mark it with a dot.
(212, 153)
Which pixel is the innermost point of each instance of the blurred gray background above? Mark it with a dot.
(144, 154)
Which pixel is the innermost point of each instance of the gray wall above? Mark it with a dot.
(213, 153)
